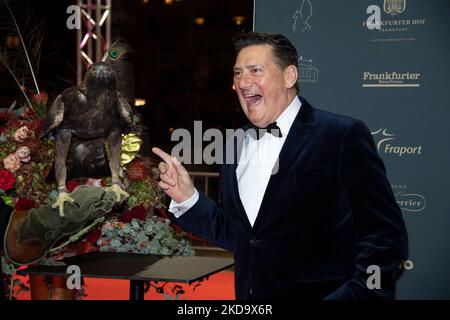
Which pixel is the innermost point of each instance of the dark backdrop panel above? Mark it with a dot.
(341, 69)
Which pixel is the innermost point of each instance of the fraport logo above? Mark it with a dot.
(387, 144)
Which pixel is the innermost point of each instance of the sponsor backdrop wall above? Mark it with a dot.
(386, 62)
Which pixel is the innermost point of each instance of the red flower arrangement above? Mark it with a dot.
(24, 204)
(139, 212)
(40, 99)
(94, 236)
(7, 180)
(137, 170)
(71, 185)
(126, 217)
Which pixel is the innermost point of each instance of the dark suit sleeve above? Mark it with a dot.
(207, 220)
(377, 219)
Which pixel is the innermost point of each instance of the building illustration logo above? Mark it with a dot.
(308, 72)
(302, 16)
(394, 7)
(387, 25)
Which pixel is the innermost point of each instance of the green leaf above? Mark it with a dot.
(8, 200)
(20, 111)
(115, 243)
(135, 224)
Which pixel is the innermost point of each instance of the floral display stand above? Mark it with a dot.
(137, 226)
(54, 288)
(137, 268)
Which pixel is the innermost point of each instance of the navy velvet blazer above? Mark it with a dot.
(326, 216)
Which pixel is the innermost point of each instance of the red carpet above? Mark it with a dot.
(218, 287)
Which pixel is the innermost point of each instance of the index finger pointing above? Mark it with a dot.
(166, 157)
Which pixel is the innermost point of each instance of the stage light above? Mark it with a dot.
(85, 56)
(238, 20)
(139, 102)
(85, 39)
(12, 41)
(199, 21)
(105, 15)
(88, 17)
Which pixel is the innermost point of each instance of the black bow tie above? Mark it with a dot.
(257, 132)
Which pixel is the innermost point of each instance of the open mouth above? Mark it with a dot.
(252, 99)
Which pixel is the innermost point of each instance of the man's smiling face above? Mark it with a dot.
(264, 90)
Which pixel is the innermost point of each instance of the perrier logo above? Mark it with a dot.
(394, 7)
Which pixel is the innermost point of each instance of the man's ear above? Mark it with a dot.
(290, 76)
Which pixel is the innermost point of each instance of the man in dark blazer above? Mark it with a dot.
(307, 210)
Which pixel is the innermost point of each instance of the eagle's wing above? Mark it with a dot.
(126, 113)
(54, 117)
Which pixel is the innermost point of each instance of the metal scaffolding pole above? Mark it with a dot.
(94, 36)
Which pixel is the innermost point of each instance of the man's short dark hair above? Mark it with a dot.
(283, 50)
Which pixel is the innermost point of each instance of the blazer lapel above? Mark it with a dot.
(297, 137)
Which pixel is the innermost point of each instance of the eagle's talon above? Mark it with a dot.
(118, 191)
(62, 198)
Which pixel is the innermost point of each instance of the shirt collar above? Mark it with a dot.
(286, 119)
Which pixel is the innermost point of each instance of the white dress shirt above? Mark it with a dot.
(258, 161)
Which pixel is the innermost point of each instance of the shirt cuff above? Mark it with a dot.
(178, 209)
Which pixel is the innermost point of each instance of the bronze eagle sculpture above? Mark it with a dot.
(82, 120)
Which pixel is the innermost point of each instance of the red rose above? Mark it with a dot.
(7, 180)
(71, 185)
(139, 212)
(5, 116)
(41, 98)
(35, 126)
(38, 127)
(25, 204)
(94, 236)
(137, 171)
(126, 217)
